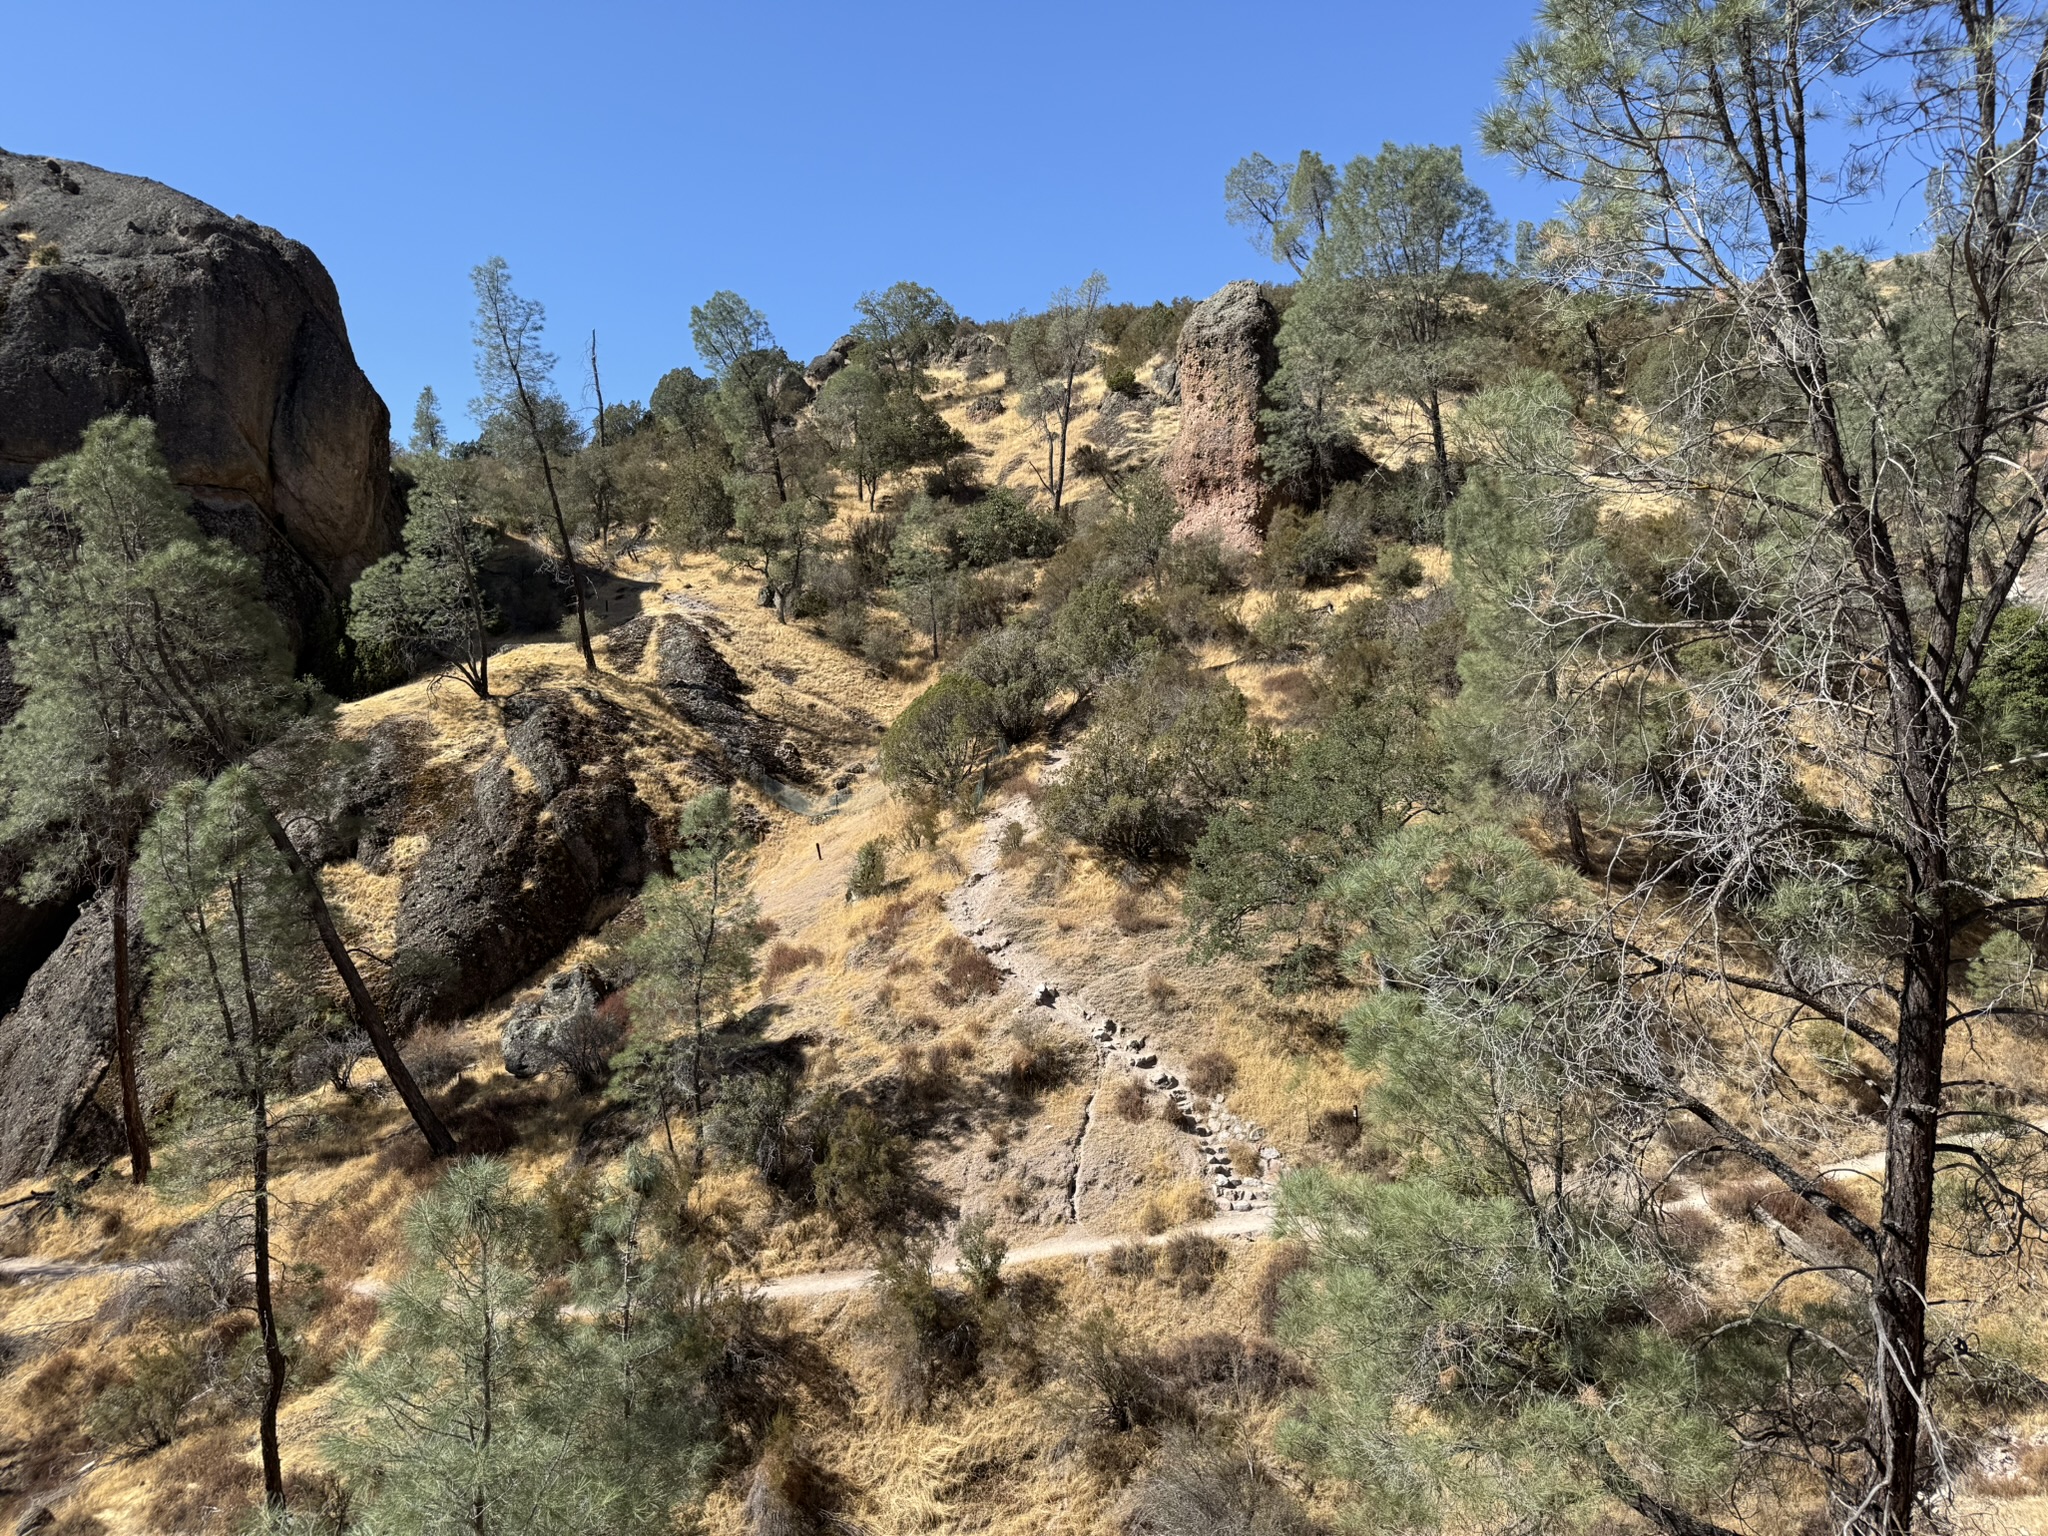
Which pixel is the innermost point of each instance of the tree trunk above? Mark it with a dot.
(368, 1015)
(1900, 1295)
(547, 471)
(266, 1308)
(1433, 406)
(1575, 831)
(124, 1029)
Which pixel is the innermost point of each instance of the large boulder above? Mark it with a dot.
(560, 1027)
(119, 294)
(55, 1046)
(1226, 356)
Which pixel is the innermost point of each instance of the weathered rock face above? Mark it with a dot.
(1226, 355)
(118, 294)
(55, 1045)
(552, 835)
(544, 1031)
(132, 297)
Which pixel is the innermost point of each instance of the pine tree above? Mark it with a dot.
(183, 656)
(513, 369)
(692, 958)
(233, 999)
(426, 603)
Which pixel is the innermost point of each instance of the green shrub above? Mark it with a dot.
(1096, 631)
(1168, 748)
(144, 1407)
(981, 1257)
(1021, 675)
(1397, 567)
(1003, 525)
(870, 875)
(1119, 377)
(863, 1179)
(943, 741)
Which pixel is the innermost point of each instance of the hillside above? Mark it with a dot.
(1409, 901)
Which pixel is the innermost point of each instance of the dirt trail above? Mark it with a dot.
(979, 909)
(829, 1282)
(976, 910)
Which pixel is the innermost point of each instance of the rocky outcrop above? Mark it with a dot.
(551, 837)
(551, 1029)
(830, 361)
(55, 1045)
(119, 294)
(701, 686)
(1226, 356)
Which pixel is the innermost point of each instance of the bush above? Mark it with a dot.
(1021, 676)
(943, 742)
(981, 1257)
(1131, 1261)
(1039, 1058)
(1193, 617)
(1129, 1101)
(965, 973)
(881, 647)
(863, 1178)
(1096, 632)
(1397, 568)
(1120, 378)
(1211, 1073)
(846, 626)
(870, 875)
(1003, 525)
(1192, 1261)
(143, 1408)
(586, 1043)
(332, 1061)
(1167, 750)
(1201, 1487)
(927, 1336)
(753, 1123)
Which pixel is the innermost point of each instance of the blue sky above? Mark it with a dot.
(627, 157)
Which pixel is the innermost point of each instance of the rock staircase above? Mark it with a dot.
(975, 910)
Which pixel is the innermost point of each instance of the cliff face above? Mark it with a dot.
(119, 294)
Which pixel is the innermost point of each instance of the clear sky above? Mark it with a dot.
(629, 157)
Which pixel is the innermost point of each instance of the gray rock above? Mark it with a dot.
(542, 1031)
(518, 872)
(700, 685)
(229, 335)
(55, 1047)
